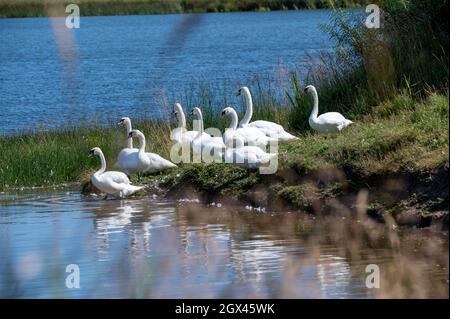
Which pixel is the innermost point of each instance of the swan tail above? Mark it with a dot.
(287, 137)
(345, 124)
(131, 189)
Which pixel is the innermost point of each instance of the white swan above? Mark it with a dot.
(129, 149)
(202, 141)
(181, 134)
(249, 135)
(330, 122)
(251, 157)
(268, 128)
(137, 160)
(111, 183)
(127, 158)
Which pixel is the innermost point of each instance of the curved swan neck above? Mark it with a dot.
(180, 115)
(234, 119)
(315, 110)
(141, 138)
(128, 126)
(102, 163)
(249, 110)
(200, 123)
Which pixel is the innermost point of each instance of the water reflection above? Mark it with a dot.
(159, 249)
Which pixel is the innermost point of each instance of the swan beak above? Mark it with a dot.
(174, 113)
(91, 153)
(305, 90)
(222, 114)
(130, 134)
(238, 93)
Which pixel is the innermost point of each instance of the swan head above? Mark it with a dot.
(242, 90)
(309, 89)
(195, 111)
(94, 151)
(124, 120)
(225, 111)
(134, 133)
(176, 109)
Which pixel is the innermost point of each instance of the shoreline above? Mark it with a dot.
(33, 8)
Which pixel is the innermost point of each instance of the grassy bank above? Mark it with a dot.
(40, 8)
(394, 152)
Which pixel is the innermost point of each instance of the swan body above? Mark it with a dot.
(181, 134)
(251, 157)
(202, 142)
(111, 183)
(132, 160)
(248, 135)
(331, 122)
(268, 128)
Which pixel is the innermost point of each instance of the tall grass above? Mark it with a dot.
(409, 52)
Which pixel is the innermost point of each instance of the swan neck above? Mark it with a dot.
(234, 120)
(129, 140)
(141, 143)
(249, 108)
(315, 109)
(200, 124)
(102, 164)
(181, 118)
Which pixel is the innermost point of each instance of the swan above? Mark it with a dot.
(330, 122)
(125, 158)
(129, 149)
(249, 135)
(202, 141)
(111, 183)
(181, 134)
(251, 157)
(137, 160)
(268, 128)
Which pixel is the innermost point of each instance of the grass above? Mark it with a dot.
(39, 8)
(411, 140)
(400, 134)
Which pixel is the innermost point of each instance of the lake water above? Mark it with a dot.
(171, 249)
(132, 65)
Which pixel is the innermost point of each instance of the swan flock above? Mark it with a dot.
(252, 145)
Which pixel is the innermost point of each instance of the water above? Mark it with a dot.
(132, 65)
(171, 249)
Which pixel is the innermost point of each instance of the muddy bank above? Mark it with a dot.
(403, 198)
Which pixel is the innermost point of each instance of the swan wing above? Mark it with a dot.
(273, 130)
(334, 118)
(122, 157)
(158, 163)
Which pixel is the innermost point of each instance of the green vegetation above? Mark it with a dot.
(41, 8)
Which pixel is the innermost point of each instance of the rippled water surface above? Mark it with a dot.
(166, 249)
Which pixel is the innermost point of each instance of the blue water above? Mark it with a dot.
(136, 65)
